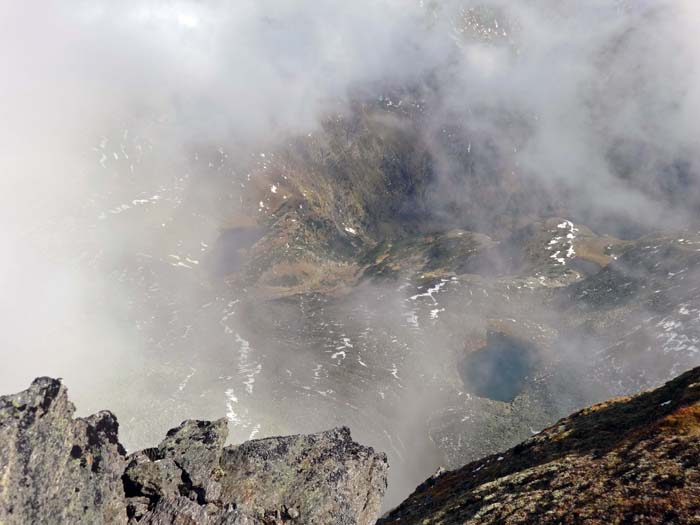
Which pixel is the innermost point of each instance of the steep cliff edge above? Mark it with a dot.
(628, 460)
(57, 469)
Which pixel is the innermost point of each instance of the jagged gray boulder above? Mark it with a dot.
(314, 479)
(343, 482)
(185, 464)
(56, 469)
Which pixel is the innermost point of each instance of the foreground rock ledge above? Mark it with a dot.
(57, 469)
(627, 461)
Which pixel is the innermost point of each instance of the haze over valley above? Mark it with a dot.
(445, 225)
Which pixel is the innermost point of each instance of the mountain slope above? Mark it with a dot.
(628, 460)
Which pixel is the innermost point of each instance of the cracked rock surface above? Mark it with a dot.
(314, 479)
(56, 469)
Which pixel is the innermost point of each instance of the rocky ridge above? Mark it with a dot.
(627, 460)
(57, 469)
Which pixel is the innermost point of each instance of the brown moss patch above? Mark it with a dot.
(593, 250)
(684, 421)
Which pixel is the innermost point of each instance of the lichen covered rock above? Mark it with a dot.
(316, 479)
(56, 469)
(343, 482)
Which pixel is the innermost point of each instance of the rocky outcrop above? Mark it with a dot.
(629, 460)
(343, 482)
(57, 469)
(313, 479)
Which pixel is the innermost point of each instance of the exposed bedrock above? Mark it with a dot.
(55, 468)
